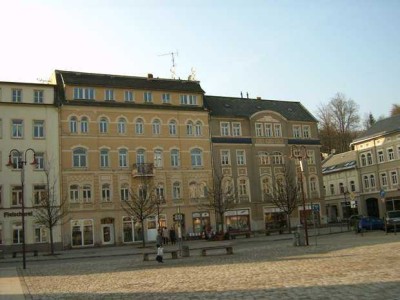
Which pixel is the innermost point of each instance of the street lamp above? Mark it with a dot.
(300, 153)
(20, 163)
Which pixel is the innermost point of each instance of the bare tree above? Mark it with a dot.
(142, 203)
(220, 198)
(285, 193)
(50, 209)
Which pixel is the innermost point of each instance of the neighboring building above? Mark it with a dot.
(378, 156)
(252, 141)
(116, 129)
(341, 185)
(28, 120)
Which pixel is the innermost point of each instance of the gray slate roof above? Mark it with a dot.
(244, 107)
(382, 127)
(339, 162)
(131, 82)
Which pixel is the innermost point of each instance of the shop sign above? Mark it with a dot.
(17, 214)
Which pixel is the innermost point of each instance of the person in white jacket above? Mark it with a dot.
(160, 254)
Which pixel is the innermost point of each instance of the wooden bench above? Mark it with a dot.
(228, 248)
(233, 235)
(174, 254)
(35, 252)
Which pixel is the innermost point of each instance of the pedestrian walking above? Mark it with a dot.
(160, 254)
(165, 235)
(159, 239)
(172, 235)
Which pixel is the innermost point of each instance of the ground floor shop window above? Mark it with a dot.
(18, 234)
(347, 210)
(238, 220)
(40, 234)
(201, 222)
(132, 231)
(274, 219)
(392, 204)
(82, 233)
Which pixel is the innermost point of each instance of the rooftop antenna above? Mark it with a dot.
(173, 71)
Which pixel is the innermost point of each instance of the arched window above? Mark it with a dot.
(103, 125)
(277, 158)
(139, 126)
(366, 182)
(74, 193)
(176, 190)
(73, 122)
(121, 126)
(196, 157)
(172, 127)
(175, 158)
(79, 158)
(372, 180)
(123, 158)
(156, 127)
(198, 129)
(87, 193)
(189, 128)
(369, 158)
(140, 156)
(84, 125)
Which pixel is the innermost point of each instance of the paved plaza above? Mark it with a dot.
(336, 266)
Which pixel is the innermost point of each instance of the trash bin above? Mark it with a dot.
(298, 236)
(185, 251)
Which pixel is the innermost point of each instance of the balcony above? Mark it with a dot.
(140, 170)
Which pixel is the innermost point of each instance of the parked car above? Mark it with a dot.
(371, 223)
(392, 219)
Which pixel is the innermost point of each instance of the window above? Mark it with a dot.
(313, 184)
(87, 193)
(166, 98)
(311, 157)
(224, 126)
(16, 159)
(372, 180)
(16, 196)
(196, 157)
(82, 233)
(380, 156)
(243, 187)
(17, 129)
(363, 160)
(352, 186)
(259, 129)
(341, 187)
(366, 182)
(109, 95)
(121, 126)
(158, 159)
(156, 127)
(39, 161)
(18, 234)
(278, 130)
(198, 129)
(332, 189)
(128, 96)
(40, 234)
(79, 158)
(225, 157)
(39, 194)
(188, 99)
(176, 190)
(172, 128)
(38, 96)
(73, 121)
(393, 177)
(38, 129)
(140, 156)
(268, 130)
(84, 93)
(277, 158)
(160, 192)
(189, 128)
(74, 193)
(16, 95)
(123, 158)
(306, 131)
(84, 125)
(369, 158)
(296, 131)
(240, 157)
(105, 193)
(139, 126)
(174, 158)
(390, 154)
(104, 158)
(124, 192)
(103, 125)
(264, 158)
(236, 129)
(147, 97)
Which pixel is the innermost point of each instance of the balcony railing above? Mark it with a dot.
(139, 170)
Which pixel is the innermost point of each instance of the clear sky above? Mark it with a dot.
(296, 50)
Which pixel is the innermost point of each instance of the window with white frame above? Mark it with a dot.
(160, 192)
(104, 158)
(129, 96)
(84, 125)
(225, 130)
(172, 127)
(176, 190)
(109, 95)
(74, 193)
(79, 158)
(188, 99)
(175, 158)
(198, 128)
(166, 98)
(17, 129)
(103, 125)
(384, 181)
(296, 131)
(352, 186)
(39, 161)
(40, 234)
(39, 194)
(278, 130)
(16, 95)
(148, 97)
(105, 192)
(264, 158)
(16, 196)
(236, 129)
(121, 126)
(123, 158)
(158, 158)
(311, 157)
(240, 157)
(84, 93)
(18, 234)
(313, 184)
(139, 126)
(156, 126)
(38, 96)
(16, 159)
(390, 154)
(225, 158)
(366, 181)
(277, 158)
(73, 125)
(306, 131)
(268, 130)
(393, 178)
(189, 128)
(140, 156)
(381, 158)
(363, 159)
(369, 158)
(38, 129)
(259, 129)
(243, 189)
(87, 193)
(196, 157)
(124, 192)
(372, 180)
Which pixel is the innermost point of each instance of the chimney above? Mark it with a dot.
(149, 76)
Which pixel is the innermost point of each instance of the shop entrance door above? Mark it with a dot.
(107, 234)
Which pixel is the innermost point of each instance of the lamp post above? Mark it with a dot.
(300, 153)
(20, 162)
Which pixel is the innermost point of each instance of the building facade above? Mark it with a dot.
(28, 126)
